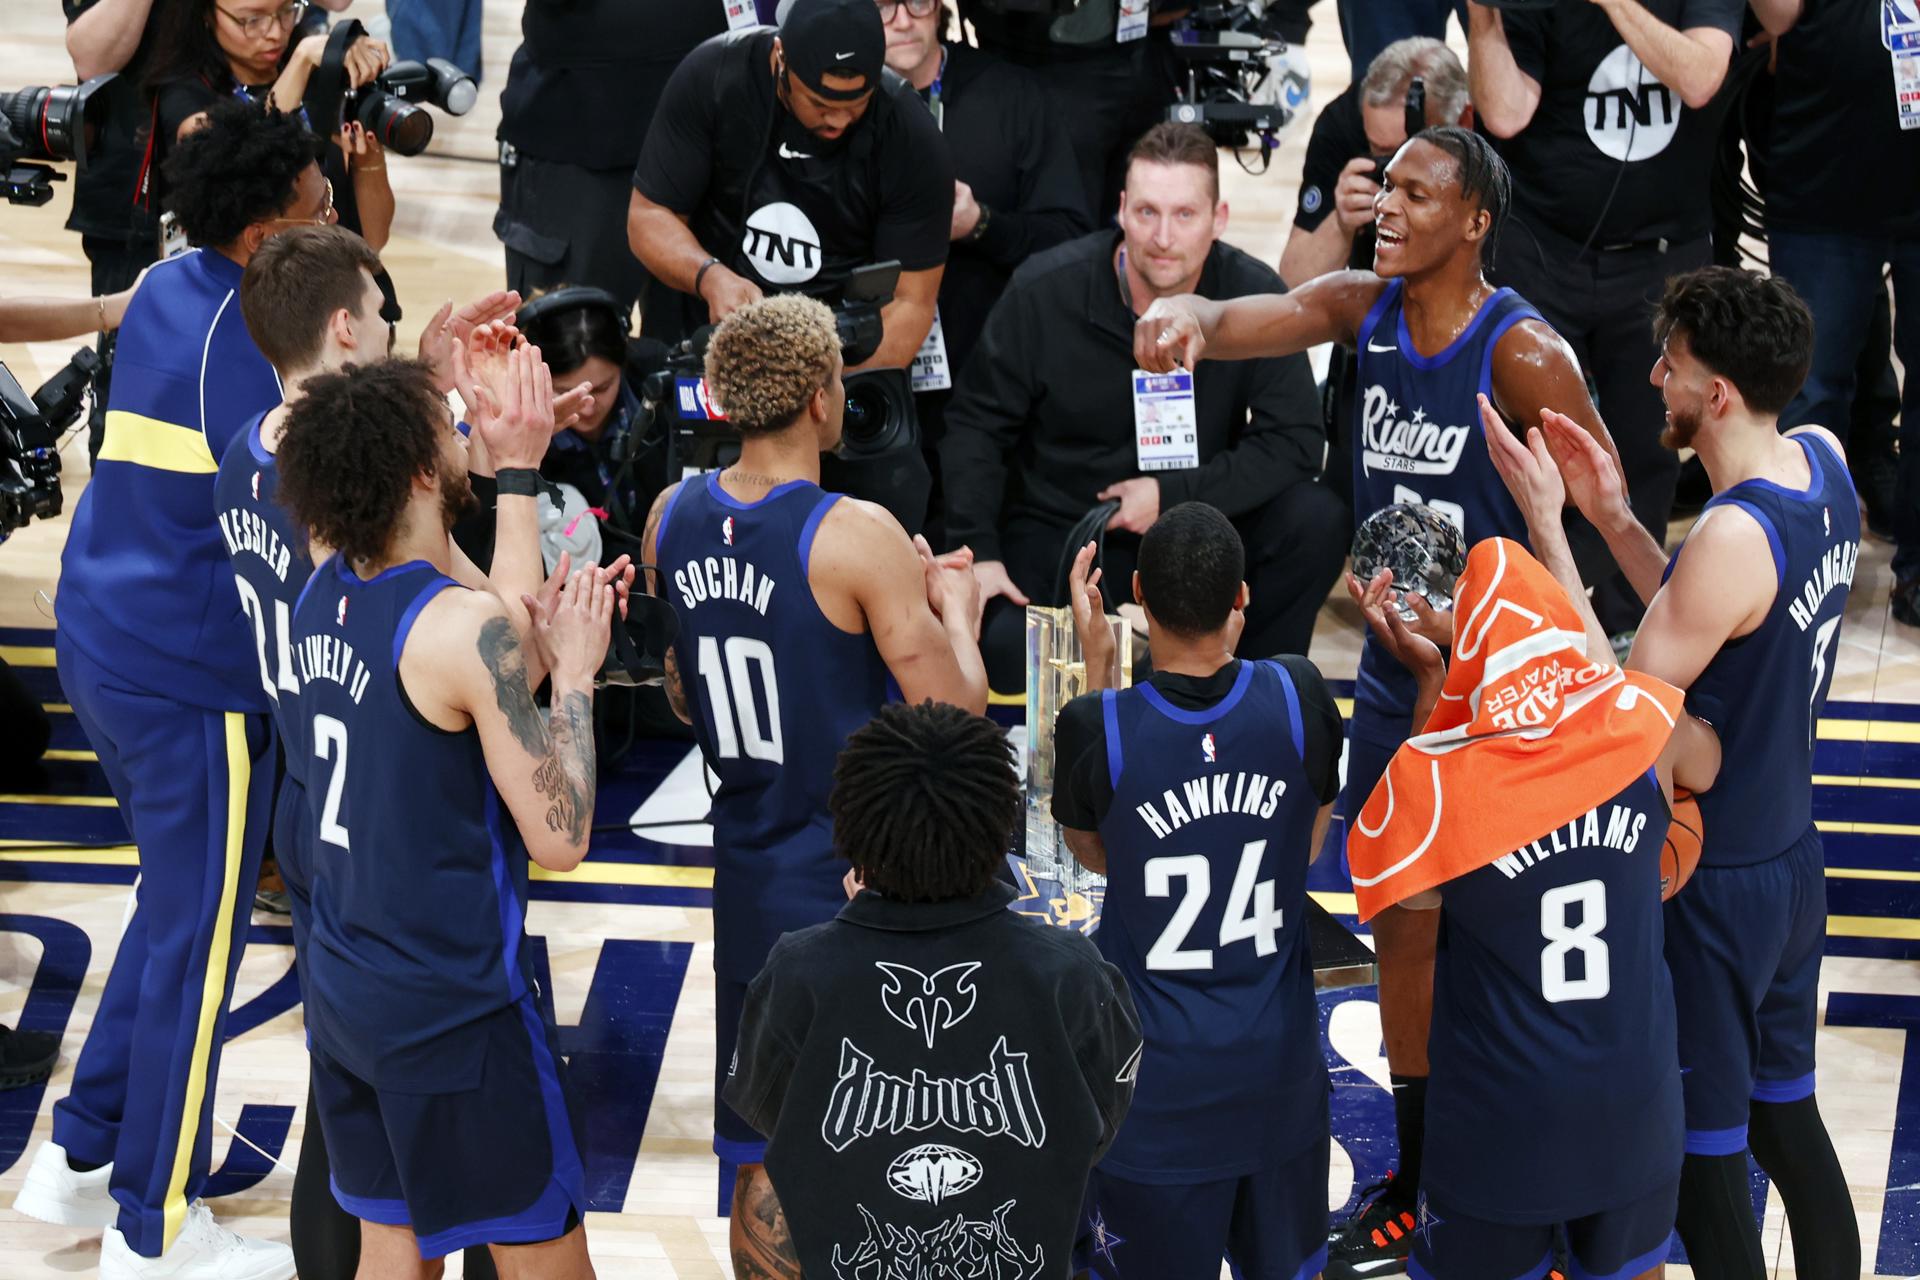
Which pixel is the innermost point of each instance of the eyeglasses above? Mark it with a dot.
(915, 8)
(327, 211)
(286, 16)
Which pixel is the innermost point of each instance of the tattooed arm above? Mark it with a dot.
(762, 1246)
(464, 664)
(650, 552)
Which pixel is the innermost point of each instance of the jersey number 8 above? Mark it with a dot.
(1261, 924)
(1564, 940)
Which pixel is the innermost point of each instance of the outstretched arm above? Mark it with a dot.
(1177, 332)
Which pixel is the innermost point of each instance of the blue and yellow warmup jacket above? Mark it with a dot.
(146, 586)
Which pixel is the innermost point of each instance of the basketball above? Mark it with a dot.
(1682, 852)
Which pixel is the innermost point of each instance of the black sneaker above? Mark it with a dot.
(26, 1057)
(1906, 602)
(1376, 1240)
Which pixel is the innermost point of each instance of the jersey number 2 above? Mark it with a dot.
(330, 744)
(1262, 923)
(1564, 940)
(730, 689)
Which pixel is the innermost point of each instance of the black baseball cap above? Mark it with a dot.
(834, 37)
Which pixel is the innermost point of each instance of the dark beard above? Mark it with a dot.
(1680, 430)
(456, 499)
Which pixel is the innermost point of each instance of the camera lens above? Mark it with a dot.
(398, 125)
(58, 123)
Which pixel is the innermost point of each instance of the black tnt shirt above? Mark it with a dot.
(788, 213)
(1600, 108)
(1083, 790)
(103, 192)
(587, 76)
(1838, 159)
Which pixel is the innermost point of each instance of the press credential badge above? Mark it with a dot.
(1133, 20)
(930, 370)
(1166, 427)
(740, 14)
(1900, 33)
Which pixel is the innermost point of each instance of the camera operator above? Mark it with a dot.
(1014, 192)
(160, 666)
(1041, 416)
(1843, 205)
(780, 161)
(1353, 138)
(1609, 113)
(207, 51)
(565, 183)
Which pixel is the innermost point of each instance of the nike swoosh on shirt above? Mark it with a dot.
(842, 57)
(1379, 350)
(787, 153)
(1382, 1266)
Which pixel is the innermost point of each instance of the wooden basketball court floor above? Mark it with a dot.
(627, 938)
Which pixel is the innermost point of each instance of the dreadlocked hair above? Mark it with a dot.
(1484, 177)
(354, 441)
(925, 802)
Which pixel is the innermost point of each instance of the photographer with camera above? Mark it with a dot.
(781, 161)
(206, 51)
(1014, 192)
(160, 666)
(1043, 415)
(564, 189)
(1608, 113)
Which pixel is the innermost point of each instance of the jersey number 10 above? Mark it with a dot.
(730, 691)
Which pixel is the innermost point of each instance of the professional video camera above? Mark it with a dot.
(1234, 85)
(46, 123)
(879, 456)
(385, 107)
(30, 428)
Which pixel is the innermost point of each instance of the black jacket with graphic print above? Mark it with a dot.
(935, 1081)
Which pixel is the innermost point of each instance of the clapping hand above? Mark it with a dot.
(1090, 623)
(450, 327)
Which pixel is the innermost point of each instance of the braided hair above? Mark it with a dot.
(925, 802)
(1484, 177)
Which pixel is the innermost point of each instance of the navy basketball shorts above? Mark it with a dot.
(1370, 745)
(1271, 1225)
(1616, 1244)
(497, 1162)
(734, 1140)
(1744, 946)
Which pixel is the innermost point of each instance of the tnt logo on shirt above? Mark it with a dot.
(1629, 114)
(782, 243)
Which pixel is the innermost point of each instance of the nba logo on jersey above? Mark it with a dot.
(726, 530)
(1207, 749)
(340, 615)
(256, 486)
(1826, 518)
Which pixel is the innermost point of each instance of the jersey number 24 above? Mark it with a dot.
(1250, 913)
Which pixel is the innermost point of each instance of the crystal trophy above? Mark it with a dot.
(1056, 674)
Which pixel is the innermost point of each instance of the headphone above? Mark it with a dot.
(572, 297)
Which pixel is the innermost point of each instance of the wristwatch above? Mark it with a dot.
(980, 227)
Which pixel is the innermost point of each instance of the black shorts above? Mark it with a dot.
(498, 1163)
(734, 1140)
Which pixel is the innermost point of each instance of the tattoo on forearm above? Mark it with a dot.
(762, 1245)
(500, 650)
(566, 776)
(561, 741)
(676, 689)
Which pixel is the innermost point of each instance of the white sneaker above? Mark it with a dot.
(204, 1250)
(54, 1193)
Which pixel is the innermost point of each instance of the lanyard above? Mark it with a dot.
(933, 93)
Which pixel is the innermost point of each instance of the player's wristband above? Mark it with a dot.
(520, 482)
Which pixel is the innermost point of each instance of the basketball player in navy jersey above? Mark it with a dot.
(798, 608)
(1745, 617)
(1202, 796)
(1430, 334)
(432, 778)
(1554, 1021)
(312, 304)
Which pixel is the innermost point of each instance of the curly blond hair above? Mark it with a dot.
(766, 360)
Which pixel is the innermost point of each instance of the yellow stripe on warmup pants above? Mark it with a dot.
(149, 442)
(213, 987)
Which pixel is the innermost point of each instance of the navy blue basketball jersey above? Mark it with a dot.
(1417, 437)
(1763, 801)
(775, 689)
(419, 873)
(270, 569)
(1556, 1077)
(1208, 842)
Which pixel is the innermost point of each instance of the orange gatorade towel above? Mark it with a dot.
(1529, 734)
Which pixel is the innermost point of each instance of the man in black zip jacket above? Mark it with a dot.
(936, 1074)
(1045, 420)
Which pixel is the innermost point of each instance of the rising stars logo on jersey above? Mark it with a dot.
(726, 530)
(1207, 751)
